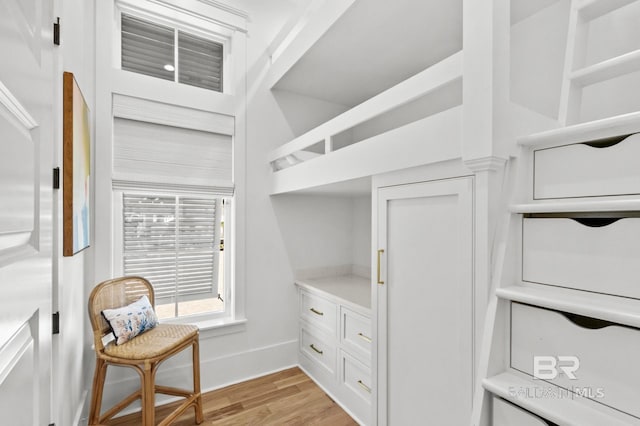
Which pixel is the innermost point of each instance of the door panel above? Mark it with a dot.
(26, 160)
(425, 328)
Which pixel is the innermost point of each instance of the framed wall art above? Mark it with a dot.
(76, 165)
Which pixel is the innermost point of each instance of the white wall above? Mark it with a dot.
(70, 377)
(361, 231)
(538, 44)
(321, 231)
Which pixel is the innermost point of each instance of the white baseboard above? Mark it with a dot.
(83, 408)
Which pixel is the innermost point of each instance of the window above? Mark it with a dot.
(171, 54)
(173, 197)
(176, 242)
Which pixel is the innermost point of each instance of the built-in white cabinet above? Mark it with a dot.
(336, 339)
(424, 302)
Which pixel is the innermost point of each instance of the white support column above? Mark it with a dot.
(489, 173)
(487, 141)
(328, 144)
(486, 76)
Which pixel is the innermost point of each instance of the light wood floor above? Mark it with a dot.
(288, 397)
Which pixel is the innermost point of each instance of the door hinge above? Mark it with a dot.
(56, 32)
(55, 323)
(56, 178)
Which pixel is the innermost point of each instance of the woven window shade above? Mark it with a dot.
(154, 153)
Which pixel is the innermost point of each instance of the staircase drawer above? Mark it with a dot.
(356, 332)
(319, 349)
(601, 356)
(320, 312)
(581, 170)
(599, 256)
(507, 414)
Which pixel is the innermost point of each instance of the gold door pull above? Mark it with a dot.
(315, 349)
(363, 386)
(379, 256)
(365, 338)
(316, 311)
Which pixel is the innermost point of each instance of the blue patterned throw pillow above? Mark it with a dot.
(129, 321)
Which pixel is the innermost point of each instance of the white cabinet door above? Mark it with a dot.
(425, 306)
(26, 161)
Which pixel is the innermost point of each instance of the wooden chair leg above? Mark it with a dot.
(196, 381)
(96, 391)
(148, 395)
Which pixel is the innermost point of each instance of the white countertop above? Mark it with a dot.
(352, 288)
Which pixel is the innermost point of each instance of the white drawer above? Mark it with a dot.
(607, 368)
(356, 378)
(355, 332)
(507, 414)
(581, 170)
(320, 312)
(565, 253)
(318, 348)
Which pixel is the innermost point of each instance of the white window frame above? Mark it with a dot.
(229, 245)
(190, 25)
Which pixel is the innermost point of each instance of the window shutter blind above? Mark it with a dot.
(154, 153)
(147, 48)
(199, 62)
(173, 242)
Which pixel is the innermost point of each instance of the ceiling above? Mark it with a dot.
(375, 45)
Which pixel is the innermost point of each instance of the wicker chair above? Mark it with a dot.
(144, 353)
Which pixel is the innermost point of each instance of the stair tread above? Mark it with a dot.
(617, 309)
(562, 409)
(624, 124)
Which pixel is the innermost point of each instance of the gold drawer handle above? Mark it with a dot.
(363, 386)
(315, 349)
(365, 338)
(316, 312)
(379, 255)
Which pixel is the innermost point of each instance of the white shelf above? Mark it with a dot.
(620, 310)
(351, 288)
(561, 408)
(625, 124)
(607, 70)
(578, 206)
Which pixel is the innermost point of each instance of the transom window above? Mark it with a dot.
(171, 54)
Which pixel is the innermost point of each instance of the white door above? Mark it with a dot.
(425, 309)
(26, 161)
